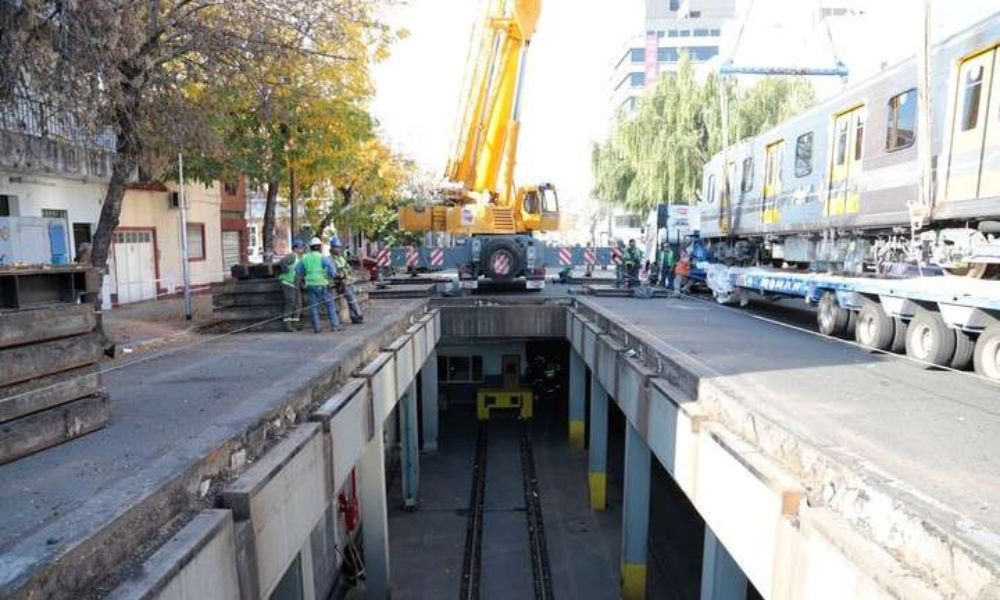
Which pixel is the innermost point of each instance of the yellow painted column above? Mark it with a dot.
(577, 399)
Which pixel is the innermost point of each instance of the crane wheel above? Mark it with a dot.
(830, 316)
(987, 353)
(874, 328)
(928, 339)
(502, 259)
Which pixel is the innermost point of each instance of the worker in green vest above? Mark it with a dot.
(290, 286)
(345, 280)
(632, 259)
(318, 273)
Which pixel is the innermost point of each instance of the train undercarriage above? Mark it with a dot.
(956, 248)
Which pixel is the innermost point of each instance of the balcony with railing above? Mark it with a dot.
(42, 138)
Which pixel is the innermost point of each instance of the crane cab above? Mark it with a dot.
(537, 207)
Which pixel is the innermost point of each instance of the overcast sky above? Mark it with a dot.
(566, 102)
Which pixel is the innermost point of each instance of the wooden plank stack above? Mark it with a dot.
(257, 304)
(50, 385)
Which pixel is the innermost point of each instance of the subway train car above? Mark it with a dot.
(834, 185)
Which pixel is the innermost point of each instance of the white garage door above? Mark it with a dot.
(135, 266)
(230, 249)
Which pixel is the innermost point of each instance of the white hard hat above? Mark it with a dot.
(315, 242)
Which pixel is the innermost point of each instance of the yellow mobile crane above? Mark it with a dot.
(481, 200)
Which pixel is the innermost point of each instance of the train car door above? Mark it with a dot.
(971, 127)
(773, 159)
(726, 199)
(845, 163)
(989, 175)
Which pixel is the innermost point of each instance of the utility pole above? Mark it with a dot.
(920, 211)
(184, 240)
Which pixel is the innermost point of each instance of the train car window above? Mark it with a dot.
(842, 142)
(804, 155)
(901, 121)
(746, 184)
(711, 188)
(859, 136)
(970, 107)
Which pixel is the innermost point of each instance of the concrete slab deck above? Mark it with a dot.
(930, 437)
(168, 413)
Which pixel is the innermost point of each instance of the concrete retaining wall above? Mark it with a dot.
(755, 505)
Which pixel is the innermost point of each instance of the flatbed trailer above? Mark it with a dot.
(934, 317)
(467, 257)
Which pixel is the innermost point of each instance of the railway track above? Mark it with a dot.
(483, 502)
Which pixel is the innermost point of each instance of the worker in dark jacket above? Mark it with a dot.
(290, 288)
(667, 261)
(319, 273)
(633, 261)
(345, 280)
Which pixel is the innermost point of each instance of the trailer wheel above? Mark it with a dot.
(832, 319)
(929, 339)
(874, 328)
(899, 335)
(964, 349)
(987, 354)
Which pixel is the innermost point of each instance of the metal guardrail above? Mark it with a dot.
(45, 120)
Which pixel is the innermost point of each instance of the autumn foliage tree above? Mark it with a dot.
(121, 64)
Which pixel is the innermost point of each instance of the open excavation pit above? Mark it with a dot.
(660, 454)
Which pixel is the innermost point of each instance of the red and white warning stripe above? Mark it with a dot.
(412, 257)
(437, 257)
(565, 256)
(501, 263)
(589, 256)
(383, 257)
(616, 256)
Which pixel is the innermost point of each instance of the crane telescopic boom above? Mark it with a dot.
(481, 198)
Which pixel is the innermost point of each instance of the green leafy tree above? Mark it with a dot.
(656, 155)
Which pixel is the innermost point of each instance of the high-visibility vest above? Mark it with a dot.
(288, 277)
(683, 268)
(315, 273)
(343, 269)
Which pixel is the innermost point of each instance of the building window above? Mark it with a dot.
(675, 5)
(5, 202)
(973, 89)
(804, 155)
(230, 188)
(694, 14)
(637, 79)
(700, 33)
(628, 222)
(196, 241)
(901, 121)
(702, 53)
(671, 33)
(637, 55)
(252, 237)
(667, 54)
(460, 369)
(685, 33)
(715, 32)
(133, 237)
(746, 184)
